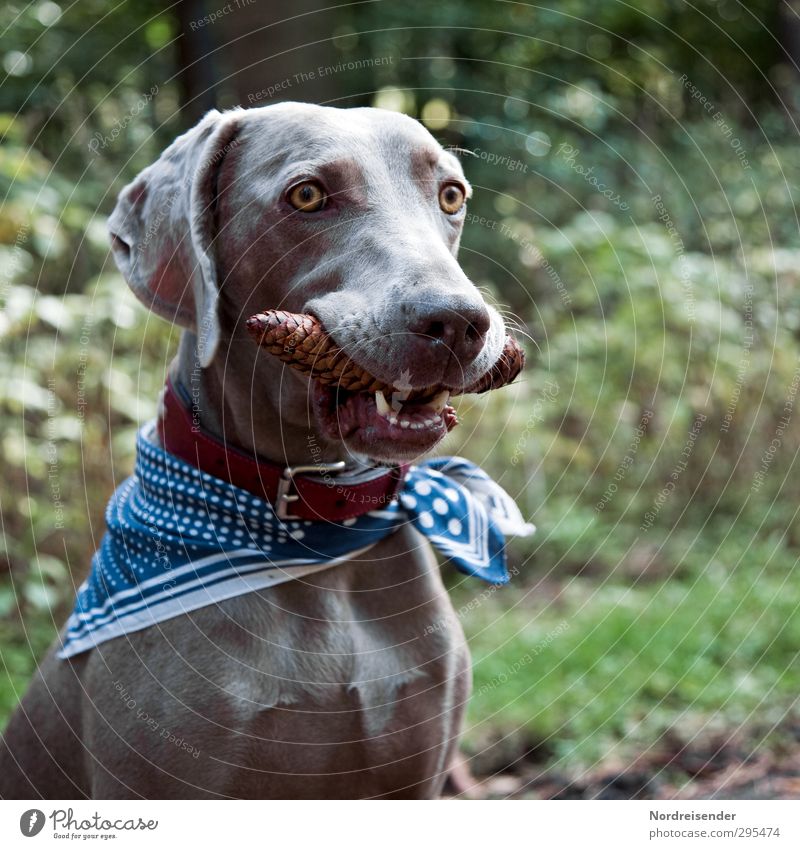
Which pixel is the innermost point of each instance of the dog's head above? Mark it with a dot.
(351, 215)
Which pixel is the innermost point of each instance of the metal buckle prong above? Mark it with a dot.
(285, 496)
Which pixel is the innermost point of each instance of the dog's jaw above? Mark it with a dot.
(369, 426)
(386, 427)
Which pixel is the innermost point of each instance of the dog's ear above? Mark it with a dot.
(162, 229)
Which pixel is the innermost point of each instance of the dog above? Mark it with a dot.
(352, 682)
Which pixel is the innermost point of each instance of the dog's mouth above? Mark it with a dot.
(382, 424)
(372, 416)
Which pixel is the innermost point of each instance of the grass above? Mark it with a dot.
(20, 649)
(602, 669)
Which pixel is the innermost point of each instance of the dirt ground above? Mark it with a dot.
(724, 768)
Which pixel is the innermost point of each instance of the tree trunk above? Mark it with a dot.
(789, 38)
(274, 50)
(196, 61)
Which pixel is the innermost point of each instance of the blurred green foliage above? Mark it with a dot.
(649, 246)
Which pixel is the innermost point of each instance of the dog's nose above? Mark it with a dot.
(458, 328)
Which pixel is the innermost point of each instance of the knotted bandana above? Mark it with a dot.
(179, 539)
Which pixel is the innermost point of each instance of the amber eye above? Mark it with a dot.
(307, 197)
(451, 198)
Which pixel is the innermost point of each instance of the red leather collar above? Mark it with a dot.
(297, 492)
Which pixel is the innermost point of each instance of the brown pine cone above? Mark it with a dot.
(508, 366)
(301, 341)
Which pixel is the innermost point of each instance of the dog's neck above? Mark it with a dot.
(246, 403)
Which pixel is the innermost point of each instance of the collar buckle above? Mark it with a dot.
(286, 484)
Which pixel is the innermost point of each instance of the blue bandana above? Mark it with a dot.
(179, 539)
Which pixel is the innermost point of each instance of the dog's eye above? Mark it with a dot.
(451, 198)
(307, 197)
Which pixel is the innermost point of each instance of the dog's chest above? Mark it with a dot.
(367, 653)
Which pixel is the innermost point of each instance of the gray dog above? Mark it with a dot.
(351, 682)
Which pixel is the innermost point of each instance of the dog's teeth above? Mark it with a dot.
(416, 425)
(439, 401)
(382, 404)
(393, 420)
(429, 422)
(405, 423)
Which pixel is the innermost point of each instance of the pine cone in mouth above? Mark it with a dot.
(301, 341)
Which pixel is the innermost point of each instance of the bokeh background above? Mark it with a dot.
(636, 169)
